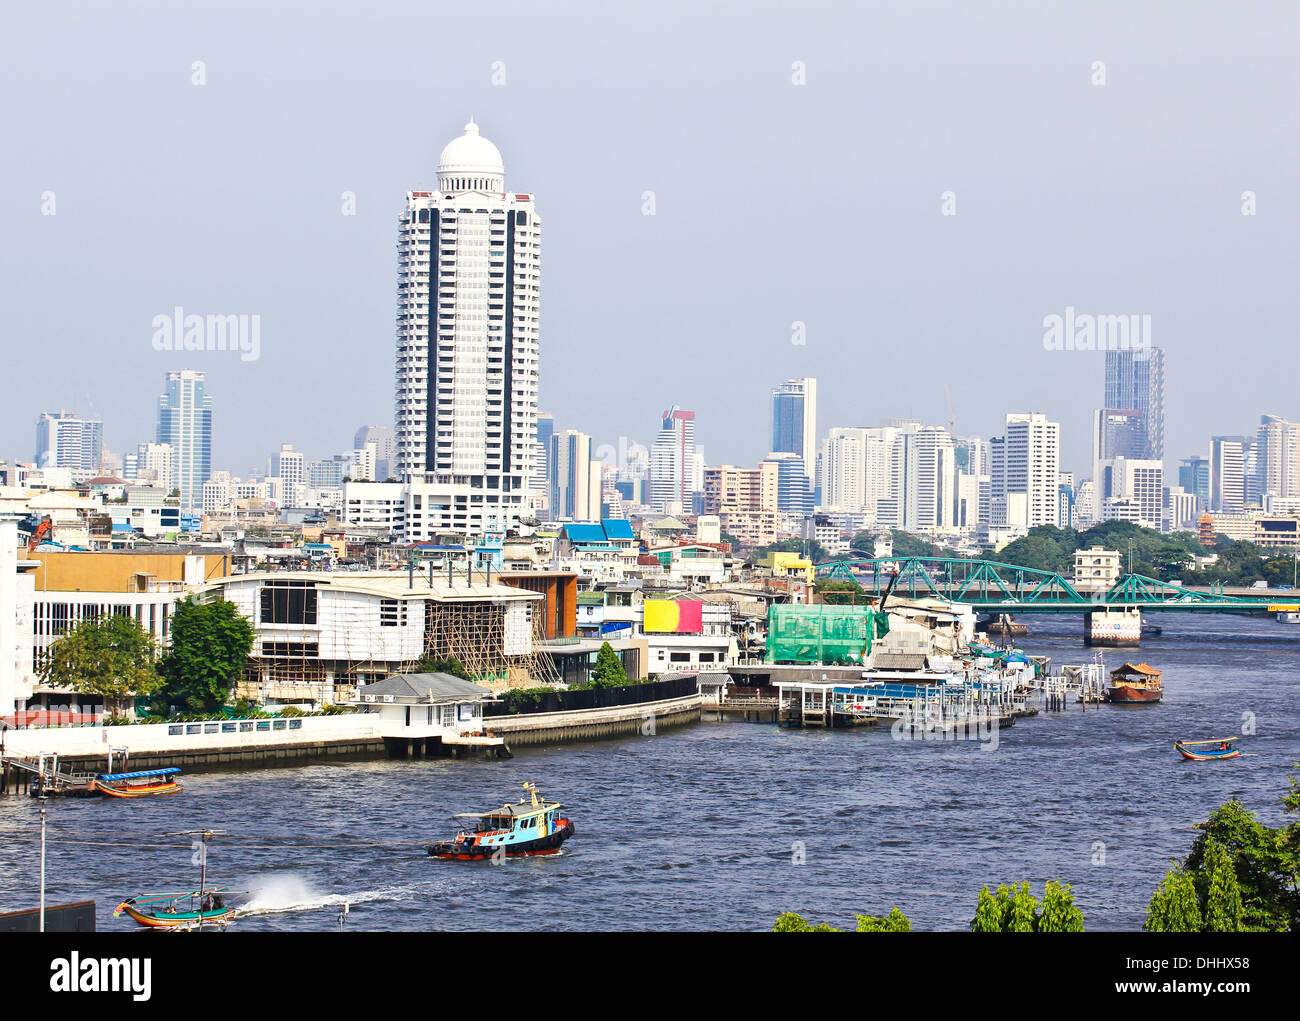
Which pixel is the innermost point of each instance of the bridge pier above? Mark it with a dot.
(1119, 626)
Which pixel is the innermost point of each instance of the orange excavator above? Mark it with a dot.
(38, 536)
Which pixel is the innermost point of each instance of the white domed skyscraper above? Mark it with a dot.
(468, 290)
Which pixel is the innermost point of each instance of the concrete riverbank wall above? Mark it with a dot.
(206, 744)
(591, 724)
(272, 742)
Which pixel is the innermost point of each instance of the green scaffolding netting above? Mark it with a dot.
(823, 633)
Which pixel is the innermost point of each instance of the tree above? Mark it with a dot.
(895, 921)
(609, 671)
(1173, 906)
(1058, 912)
(209, 648)
(112, 657)
(788, 921)
(1015, 909)
(442, 665)
(1223, 910)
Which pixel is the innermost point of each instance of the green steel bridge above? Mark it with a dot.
(991, 587)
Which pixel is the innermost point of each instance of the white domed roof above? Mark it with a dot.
(471, 163)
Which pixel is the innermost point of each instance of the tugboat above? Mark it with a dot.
(513, 831)
(1135, 684)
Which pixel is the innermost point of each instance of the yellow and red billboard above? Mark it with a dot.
(677, 616)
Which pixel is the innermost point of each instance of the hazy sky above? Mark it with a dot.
(774, 203)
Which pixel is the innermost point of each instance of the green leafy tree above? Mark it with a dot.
(442, 665)
(609, 671)
(788, 921)
(895, 921)
(112, 657)
(1015, 909)
(1223, 909)
(1174, 906)
(210, 643)
(1058, 913)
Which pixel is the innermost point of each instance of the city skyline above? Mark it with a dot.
(1052, 228)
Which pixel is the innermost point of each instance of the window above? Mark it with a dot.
(679, 657)
(289, 602)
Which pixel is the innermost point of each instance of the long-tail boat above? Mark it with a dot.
(188, 910)
(513, 831)
(1135, 684)
(141, 784)
(1215, 748)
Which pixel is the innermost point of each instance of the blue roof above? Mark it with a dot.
(618, 528)
(584, 533)
(144, 772)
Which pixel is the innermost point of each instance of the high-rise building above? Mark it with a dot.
(672, 461)
(543, 480)
(1135, 381)
(385, 440)
(794, 420)
(578, 479)
(289, 466)
(1137, 492)
(1277, 458)
(469, 277)
(185, 422)
(65, 440)
(1116, 432)
(1194, 478)
(793, 487)
(1228, 473)
(1025, 475)
(154, 464)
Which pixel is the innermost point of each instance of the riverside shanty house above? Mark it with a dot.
(429, 704)
(319, 635)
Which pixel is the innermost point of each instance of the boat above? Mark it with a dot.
(531, 827)
(141, 784)
(1135, 684)
(1151, 630)
(1216, 748)
(191, 909)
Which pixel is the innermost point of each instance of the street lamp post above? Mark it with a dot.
(42, 862)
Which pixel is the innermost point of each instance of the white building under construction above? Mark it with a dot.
(320, 634)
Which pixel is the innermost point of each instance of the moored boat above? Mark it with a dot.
(1216, 748)
(1135, 684)
(191, 909)
(140, 784)
(531, 827)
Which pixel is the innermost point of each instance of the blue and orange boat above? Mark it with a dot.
(1215, 748)
(141, 784)
(531, 827)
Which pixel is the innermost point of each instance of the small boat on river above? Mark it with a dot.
(142, 784)
(1217, 748)
(531, 827)
(1135, 684)
(190, 910)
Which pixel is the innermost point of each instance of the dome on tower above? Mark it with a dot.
(471, 163)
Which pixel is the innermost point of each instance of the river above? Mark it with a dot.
(722, 825)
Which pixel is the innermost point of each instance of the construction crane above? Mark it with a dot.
(952, 419)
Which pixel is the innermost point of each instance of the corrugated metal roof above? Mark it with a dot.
(424, 686)
(618, 528)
